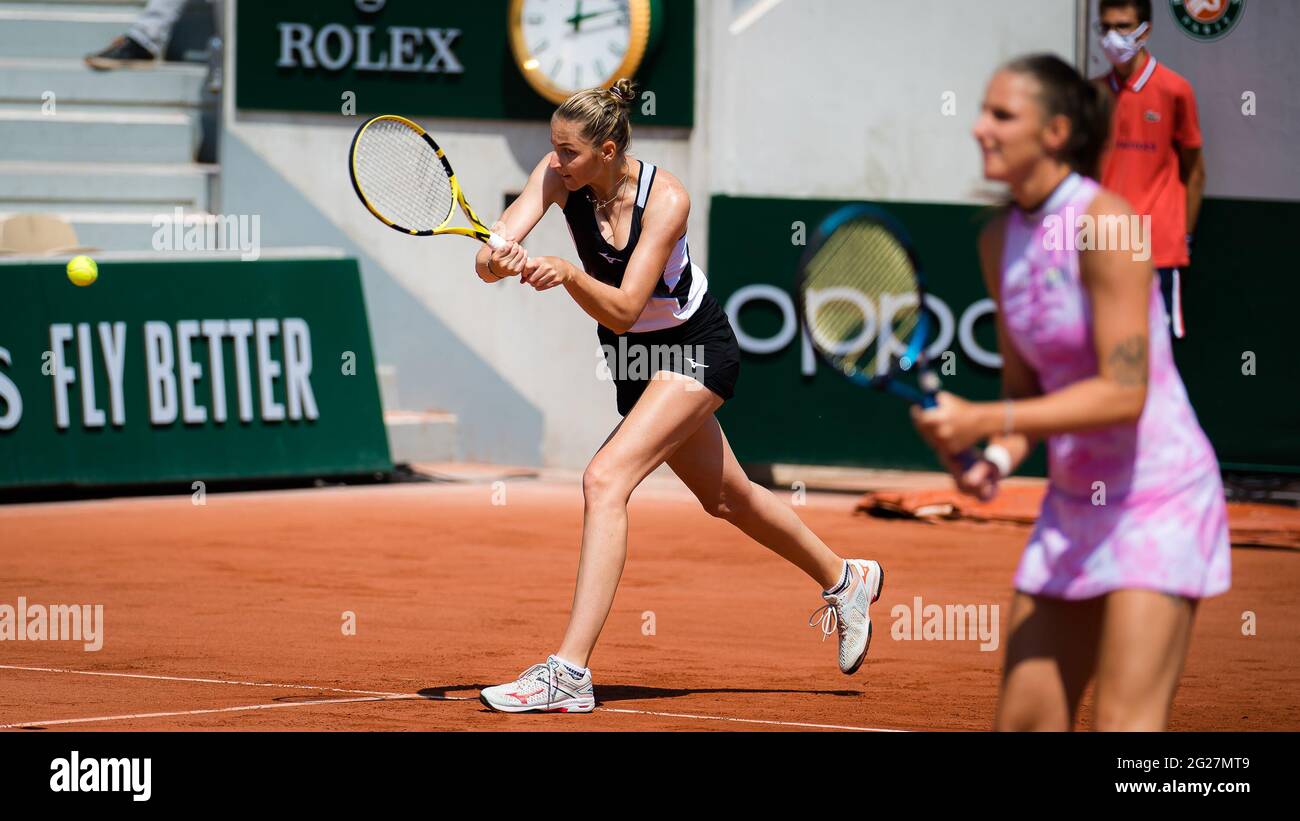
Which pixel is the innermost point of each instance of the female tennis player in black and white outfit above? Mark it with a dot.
(637, 280)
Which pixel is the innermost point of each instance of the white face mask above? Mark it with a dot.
(1120, 48)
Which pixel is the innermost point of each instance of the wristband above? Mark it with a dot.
(490, 271)
(1000, 458)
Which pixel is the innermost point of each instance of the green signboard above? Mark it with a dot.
(186, 371)
(425, 59)
(1236, 360)
(821, 418)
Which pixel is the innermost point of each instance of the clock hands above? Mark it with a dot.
(613, 26)
(578, 16)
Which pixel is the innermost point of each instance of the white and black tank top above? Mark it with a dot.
(681, 286)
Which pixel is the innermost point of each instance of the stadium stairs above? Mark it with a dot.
(106, 151)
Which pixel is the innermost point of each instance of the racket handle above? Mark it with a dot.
(496, 243)
(967, 458)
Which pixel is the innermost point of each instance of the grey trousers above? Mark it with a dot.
(153, 28)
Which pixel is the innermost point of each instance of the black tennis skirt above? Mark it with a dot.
(703, 348)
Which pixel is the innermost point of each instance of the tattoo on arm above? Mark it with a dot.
(1128, 361)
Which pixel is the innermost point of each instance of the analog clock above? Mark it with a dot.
(563, 46)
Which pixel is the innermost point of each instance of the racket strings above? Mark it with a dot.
(860, 292)
(402, 176)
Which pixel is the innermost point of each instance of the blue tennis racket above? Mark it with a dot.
(861, 295)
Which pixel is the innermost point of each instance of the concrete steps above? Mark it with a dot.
(104, 185)
(116, 150)
(133, 5)
(70, 30)
(131, 230)
(74, 135)
(421, 436)
(29, 80)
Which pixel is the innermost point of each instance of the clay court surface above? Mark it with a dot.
(227, 616)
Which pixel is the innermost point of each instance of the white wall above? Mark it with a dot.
(843, 98)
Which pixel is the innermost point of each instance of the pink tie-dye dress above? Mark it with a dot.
(1129, 506)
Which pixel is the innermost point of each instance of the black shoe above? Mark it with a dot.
(121, 53)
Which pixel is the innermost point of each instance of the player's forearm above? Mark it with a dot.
(1018, 382)
(1097, 402)
(606, 304)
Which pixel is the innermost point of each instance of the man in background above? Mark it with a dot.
(1154, 158)
(145, 43)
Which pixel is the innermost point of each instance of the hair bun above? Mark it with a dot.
(624, 91)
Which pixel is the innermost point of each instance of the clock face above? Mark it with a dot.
(563, 46)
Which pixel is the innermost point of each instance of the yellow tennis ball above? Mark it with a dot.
(82, 271)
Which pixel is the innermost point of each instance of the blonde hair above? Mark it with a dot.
(603, 113)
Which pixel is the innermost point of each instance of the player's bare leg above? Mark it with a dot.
(1144, 641)
(1051, 654)
(707, 465)
(672, 408)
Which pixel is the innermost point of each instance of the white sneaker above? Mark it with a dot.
(550, 687)
(849, 612)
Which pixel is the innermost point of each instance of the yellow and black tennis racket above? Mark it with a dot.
(403, 177)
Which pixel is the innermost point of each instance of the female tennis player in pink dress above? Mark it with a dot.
(636, 279)
(1133, 529)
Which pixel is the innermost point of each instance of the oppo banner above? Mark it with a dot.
(1236, 361)
(186, 371)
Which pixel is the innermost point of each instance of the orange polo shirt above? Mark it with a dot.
(1154, 116)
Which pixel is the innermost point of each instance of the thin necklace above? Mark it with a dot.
(617, 191)
(613, 229)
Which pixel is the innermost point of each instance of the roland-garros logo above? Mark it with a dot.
(1207, 20)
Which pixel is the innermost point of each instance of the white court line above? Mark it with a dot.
(210, 681)
(203, 712)
(752, 721)
(379, 695)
